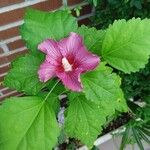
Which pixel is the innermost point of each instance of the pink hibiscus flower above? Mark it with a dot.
(66, 59)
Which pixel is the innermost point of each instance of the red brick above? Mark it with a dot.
(3, 60)
(2, 78)
(11, 57)
(9, 33)
(16, 55)
(3, 89)
(4, 69)
(85, 21)
(16, 15)
(9, 95)
(86, 10)
(7, 91)
(1, 86)
(9, 2)
(73, 2)
(1, 50)
(16, 44)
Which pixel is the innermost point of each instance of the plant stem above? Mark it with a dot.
(51, 90)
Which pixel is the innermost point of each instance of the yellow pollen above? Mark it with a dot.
(67, 66)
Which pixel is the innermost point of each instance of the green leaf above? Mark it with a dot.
(60, 88)
(23, 75)
(125, 137)
(143, 136)
(126, 45)
(39, 26)
(102, 86)
(53, 100)
(84, 119)
(137, 138)
(92, 38)
(27, 123)
(146, 131)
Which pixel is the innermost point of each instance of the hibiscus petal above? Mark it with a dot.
(71, 79)
(86, 60)
(46, 71)
(73, 49)
(50, 48)
(71, 44)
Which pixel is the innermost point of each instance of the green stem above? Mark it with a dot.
(51, 90)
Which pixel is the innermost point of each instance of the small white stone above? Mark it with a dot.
(61, 116)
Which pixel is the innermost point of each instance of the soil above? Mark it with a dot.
(120, 121)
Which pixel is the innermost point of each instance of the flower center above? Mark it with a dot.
(67, 66)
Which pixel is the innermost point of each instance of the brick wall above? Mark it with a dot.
(11, 45)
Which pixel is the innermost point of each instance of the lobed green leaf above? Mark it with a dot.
(27, 123)
(103, 87)
(23, 75)
(126, 45)
(93, 38)
(39, 25)
(84, 119)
